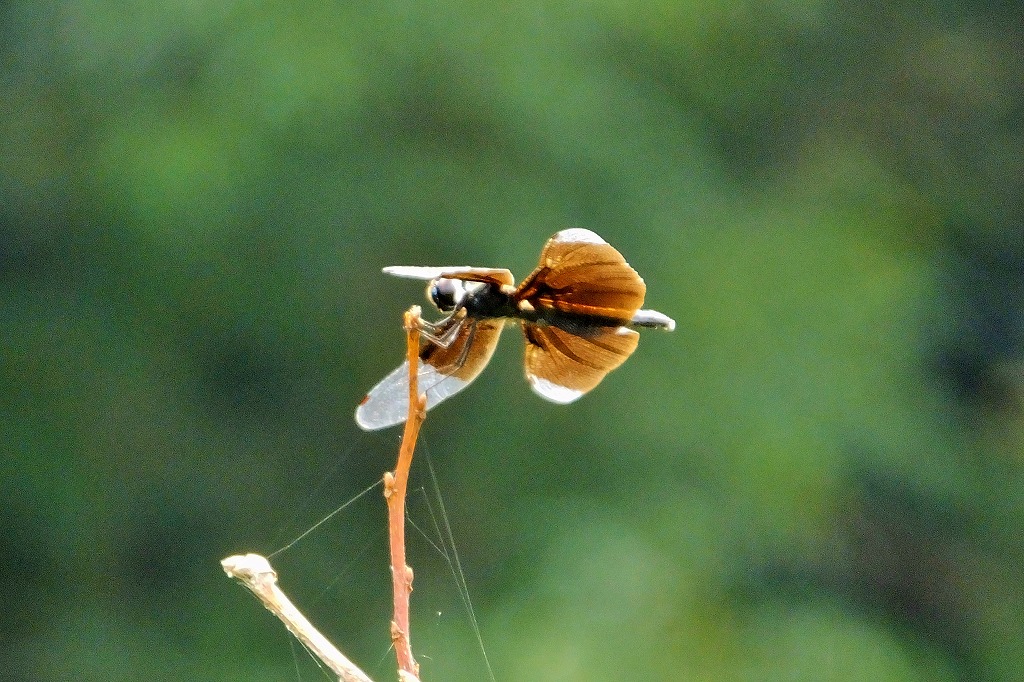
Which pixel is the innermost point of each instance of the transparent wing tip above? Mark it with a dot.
(654, 319)
(369, 419)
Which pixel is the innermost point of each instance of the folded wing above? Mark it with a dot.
(466, 273)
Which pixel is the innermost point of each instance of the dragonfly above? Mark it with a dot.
(579, 310)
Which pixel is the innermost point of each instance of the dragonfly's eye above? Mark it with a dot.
(447, 294)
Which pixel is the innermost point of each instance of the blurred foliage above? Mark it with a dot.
(817, 476)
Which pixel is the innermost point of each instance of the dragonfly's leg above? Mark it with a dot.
(441, 333)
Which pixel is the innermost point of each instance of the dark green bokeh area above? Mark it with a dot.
(817, 476)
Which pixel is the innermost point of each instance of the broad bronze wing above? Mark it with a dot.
(561, 366)
(581, 273)
(442, 373)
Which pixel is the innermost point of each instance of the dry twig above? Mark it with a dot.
(255, 572)
(395, 485)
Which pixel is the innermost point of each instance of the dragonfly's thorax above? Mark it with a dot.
(487, 300)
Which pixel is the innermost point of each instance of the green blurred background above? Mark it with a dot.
(816, 477)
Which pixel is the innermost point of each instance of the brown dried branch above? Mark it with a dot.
(395, 486)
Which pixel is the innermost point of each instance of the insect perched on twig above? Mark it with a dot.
(578, 311)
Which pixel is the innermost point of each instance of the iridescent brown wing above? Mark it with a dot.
(581, 273)
(561, 366)
(442, 373)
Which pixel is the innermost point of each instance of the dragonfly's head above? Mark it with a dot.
(447, 294)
